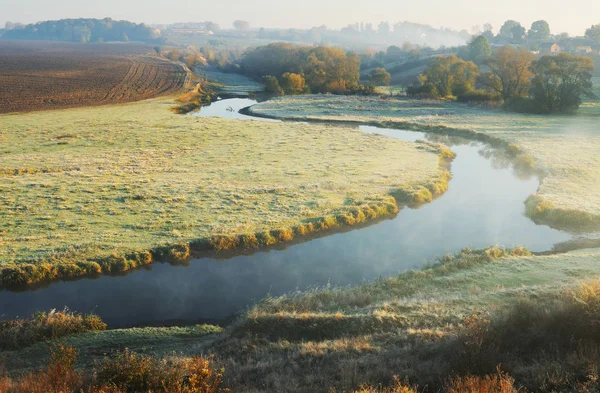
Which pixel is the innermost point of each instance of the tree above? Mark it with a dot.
(394, 53)
(562, 38)
(241, 25)
(325, 69)
(512, 31)
(211, 26)
(448, 76)
(174, 55)
(272, 84)
(509, 74)
(560, 82)
(488, 31)
(82, 34)
(593, 33)
(331, 70)
(293, 83)
(479, 49)
(380, 77)
(384, 28)
(85, 30)
(540, 31)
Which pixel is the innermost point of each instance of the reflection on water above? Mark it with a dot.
(483, 207)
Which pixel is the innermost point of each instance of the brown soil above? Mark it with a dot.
(47, 75)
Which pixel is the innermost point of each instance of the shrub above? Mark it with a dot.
(58, 377)
(60, 374)
(42, 326)
(283, 235)
(266, 239)
(327, 222)
(417, 90)
(272, 85)
(224, 243)
(380, 77)
(500, 382)
(520, 105)
(128, 372)
(479, 96)
(293, 83)
(179, 253)
(131, 372)
(249, 241)
(536, 340)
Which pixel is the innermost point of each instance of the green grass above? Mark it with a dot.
(106, 189)
(565, 148)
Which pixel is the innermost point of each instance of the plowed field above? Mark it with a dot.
(45, 75)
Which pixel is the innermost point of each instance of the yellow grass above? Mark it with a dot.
(564, 147)
(100, 187)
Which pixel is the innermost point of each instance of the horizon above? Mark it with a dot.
(273, 14)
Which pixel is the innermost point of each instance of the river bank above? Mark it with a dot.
(561, 147)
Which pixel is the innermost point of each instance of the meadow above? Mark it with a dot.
(564, 148)
(462, 315)
(103, 190)
(227, 83)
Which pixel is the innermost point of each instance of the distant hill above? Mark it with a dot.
(85, 30)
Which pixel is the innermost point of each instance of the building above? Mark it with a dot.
(582, 46)
(583, 49)
(550, 48)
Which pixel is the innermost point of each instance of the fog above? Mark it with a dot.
(457, 15)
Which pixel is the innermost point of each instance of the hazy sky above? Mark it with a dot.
(572, 16)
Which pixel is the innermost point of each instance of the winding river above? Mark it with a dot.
(483, 207)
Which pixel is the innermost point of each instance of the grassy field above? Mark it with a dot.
(423, 325)
(405, 326)
(564, 147)
(229, 83)
(106, 189)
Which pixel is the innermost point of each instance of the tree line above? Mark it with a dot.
(84, 30)
(513, 32)
(285, 68)
(514, 76)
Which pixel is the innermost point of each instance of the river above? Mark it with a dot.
(484, 206)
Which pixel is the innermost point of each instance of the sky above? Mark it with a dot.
(572, 17)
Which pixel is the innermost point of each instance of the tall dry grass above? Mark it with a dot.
(17, 333)
(127, 373)
(499, 382)
(547, 345)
